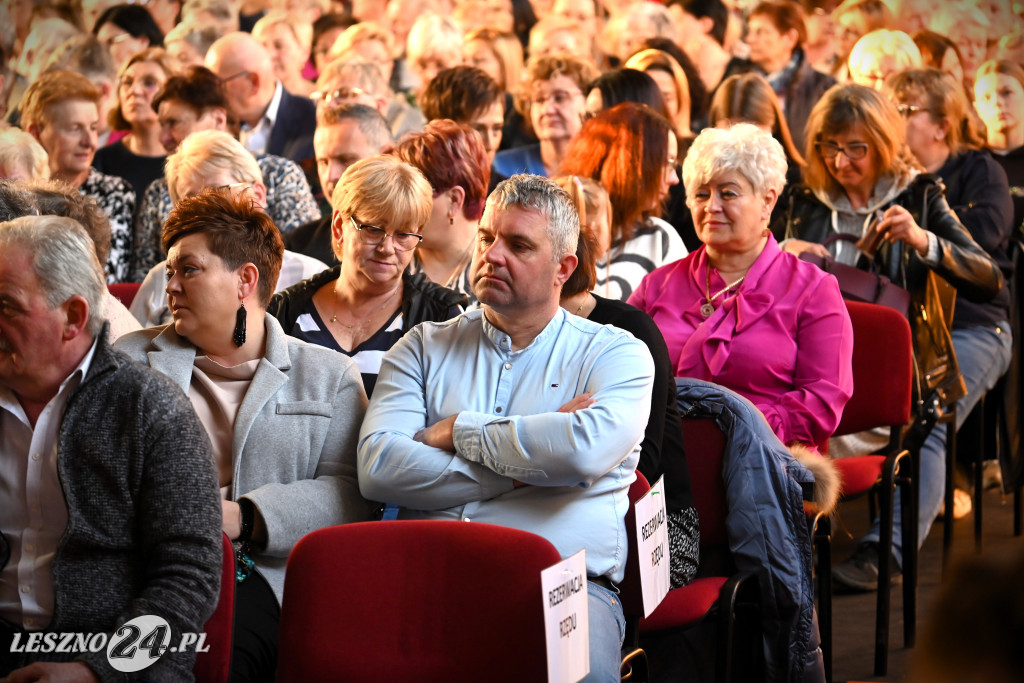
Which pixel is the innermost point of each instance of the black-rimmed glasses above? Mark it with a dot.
(374, 235)
(908, 110)
(853, 151)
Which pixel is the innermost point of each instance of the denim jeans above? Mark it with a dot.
(984, 356)
(607, 629)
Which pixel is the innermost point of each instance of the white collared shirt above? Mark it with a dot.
(256, 138)
(33, 514)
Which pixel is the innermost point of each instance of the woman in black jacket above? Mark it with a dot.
(863, 180)
(365, 305)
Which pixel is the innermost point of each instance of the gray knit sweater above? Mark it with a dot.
(144, 517)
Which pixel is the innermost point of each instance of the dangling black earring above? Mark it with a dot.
(239, 337)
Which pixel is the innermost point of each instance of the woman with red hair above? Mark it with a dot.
(452, 158)
(632, 151)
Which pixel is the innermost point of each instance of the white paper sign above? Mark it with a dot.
(652, 546)
(566, 623)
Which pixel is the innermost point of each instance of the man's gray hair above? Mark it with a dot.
(16, 200)
(64, 261)
(537, 193)
(371, 124)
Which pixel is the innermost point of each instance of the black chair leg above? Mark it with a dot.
(908, 522)
(885, 511)
(823, 546)
(947, 524)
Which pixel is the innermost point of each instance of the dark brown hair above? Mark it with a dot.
(236, 231)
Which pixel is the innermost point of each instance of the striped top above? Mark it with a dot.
(310, 327)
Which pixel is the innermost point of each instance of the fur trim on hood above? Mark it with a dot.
(826, 478)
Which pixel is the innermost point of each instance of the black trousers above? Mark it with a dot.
(254, 646)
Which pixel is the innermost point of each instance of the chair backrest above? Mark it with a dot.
(124, 291)
(630, 589)
(883, 361)
(705, 449)
(417, 601)
(215, 665)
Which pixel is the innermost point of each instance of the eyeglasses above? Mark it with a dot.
(374, 235)
(343, 93)
(559, 97)
(853, 151)
(908, 110)
(234, 76)
(236, 187)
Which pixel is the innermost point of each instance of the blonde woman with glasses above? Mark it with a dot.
(365, 305)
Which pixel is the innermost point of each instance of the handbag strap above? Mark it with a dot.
(839, 237)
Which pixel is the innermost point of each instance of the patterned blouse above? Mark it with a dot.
(117, 199)
(290, 203)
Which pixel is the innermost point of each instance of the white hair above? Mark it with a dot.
(743, 148)
(207, 152)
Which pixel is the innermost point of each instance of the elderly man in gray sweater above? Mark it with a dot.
(110, 518)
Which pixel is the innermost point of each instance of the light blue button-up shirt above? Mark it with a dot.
(578, 466)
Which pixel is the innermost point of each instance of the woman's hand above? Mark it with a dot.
(232, 524)
(797, 247)
(897, 225)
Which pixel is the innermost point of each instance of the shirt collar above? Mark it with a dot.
(270, 115)
(503, 341)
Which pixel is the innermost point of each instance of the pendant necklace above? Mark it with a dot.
(706, 308)
(370, 316)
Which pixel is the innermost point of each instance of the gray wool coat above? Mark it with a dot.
(294, 448)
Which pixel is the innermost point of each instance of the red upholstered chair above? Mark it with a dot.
(724, 598)
(424, 601)
(882, 387)
(124, 291)
(215, 665)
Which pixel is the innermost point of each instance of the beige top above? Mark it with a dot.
(216, 393)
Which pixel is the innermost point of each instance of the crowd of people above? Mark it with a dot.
(445, 259)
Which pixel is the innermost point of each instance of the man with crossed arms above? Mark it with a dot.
(519, 413)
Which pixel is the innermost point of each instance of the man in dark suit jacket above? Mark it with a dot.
(273, 120)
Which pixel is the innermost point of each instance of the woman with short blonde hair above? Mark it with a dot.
(364, 305)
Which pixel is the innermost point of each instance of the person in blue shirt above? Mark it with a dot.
(518, 413)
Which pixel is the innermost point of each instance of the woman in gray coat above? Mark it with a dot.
(283, 415)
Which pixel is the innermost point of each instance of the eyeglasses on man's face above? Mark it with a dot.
(374, 235)
(852, 151)
(225, 81)
(338, 95)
